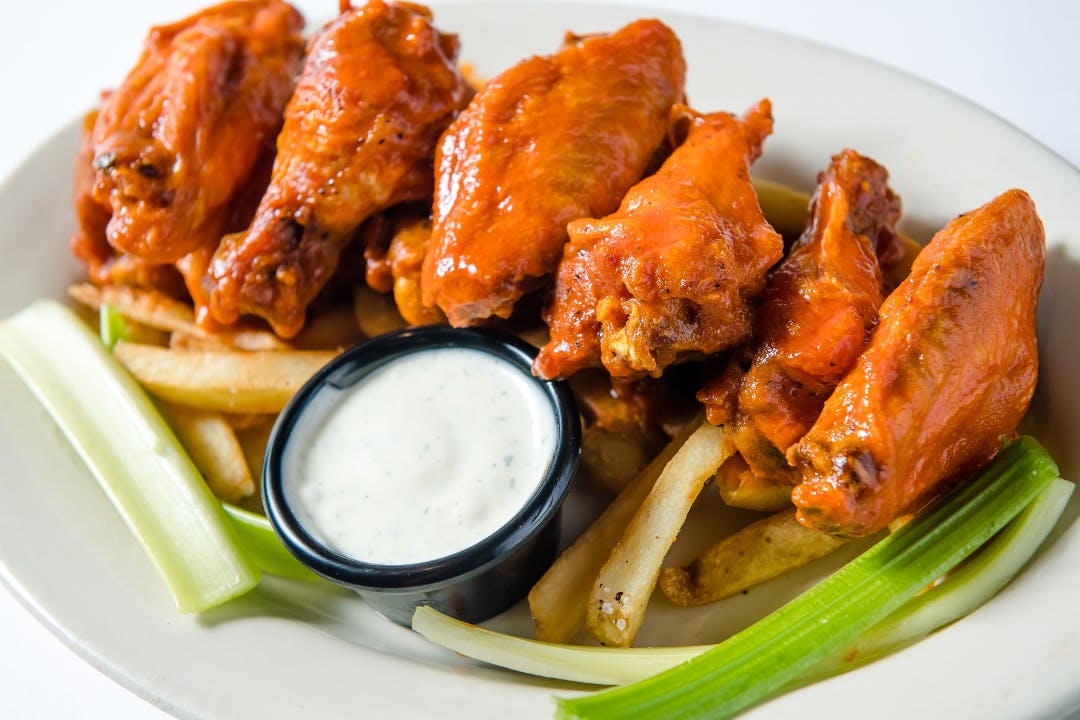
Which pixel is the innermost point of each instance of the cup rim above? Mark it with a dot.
(350, 367)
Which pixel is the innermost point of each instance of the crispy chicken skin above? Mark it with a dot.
(550, 140)
(181, 135)
(378, 88)
(89, 243)
(672, 274)
(948, 372)
(819, 307)
(406, 258)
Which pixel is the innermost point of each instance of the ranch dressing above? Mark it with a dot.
(423, 457)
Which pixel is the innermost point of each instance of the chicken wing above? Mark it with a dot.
(89, 243)
(378, 88)
(183, 132)
(948, 372)
(819, 307)
(672, 274)
(550, 140)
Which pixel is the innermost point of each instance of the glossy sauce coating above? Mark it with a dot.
(819, 307)
(947, 374)
(182, 134)
(89, 243)
(378, 88)
(550, 140)
(673, 273)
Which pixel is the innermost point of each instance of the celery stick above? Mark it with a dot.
(963, 592)
(118, 433)
(111, 325)
(263, 546)
(771, 654)
(578, 663)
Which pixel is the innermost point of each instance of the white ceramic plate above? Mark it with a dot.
(292, 650)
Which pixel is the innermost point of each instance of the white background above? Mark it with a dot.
(1020, 61)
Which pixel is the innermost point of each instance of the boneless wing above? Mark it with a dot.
(378, 88)
(673, 273)
(181, 135)
(948, 372)
(815, 318)
(550, 140)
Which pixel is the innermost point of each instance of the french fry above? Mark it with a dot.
(758, 552)
(616, 606)
(253, 440)
(611, 459)
(786, 209)
(147, 307)
(376, 314)
(213, 447)
(332, 329)
(233, 382)
(157, 310)
(557, 600)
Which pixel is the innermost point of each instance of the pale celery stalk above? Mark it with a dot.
(131, 452)
(770, 655)
(965, 590)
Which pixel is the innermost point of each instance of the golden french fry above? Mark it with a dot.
(758, 552)
(233, 382)
(620, 595)
(157, 310)
(147, 307)
(213, 447)
(253, 440)
(332, 329)
(609, 459)
(786, 209)
(557, 600)
(376, 314)
(247, 421)
(205, 342)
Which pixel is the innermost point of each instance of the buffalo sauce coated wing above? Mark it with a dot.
(181, 135)
(672, 274)
(89, 243)
(948, 372)
(550, 140)
(819, 307)
(378, 88)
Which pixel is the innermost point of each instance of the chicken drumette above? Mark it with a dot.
(550, 140)
(673, 273)
(819, 307)
(949, 371)
(179, 139)
(378, 88)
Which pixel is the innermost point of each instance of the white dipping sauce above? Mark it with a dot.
(425, 456)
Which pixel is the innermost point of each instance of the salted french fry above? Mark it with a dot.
(616, 606)
(758, 552)
(376, 314)
(213, 447)
(232, 381)
(557, 600)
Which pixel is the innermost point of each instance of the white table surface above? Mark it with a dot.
(1019, 61)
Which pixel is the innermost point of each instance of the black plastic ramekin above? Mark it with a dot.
(479, 581)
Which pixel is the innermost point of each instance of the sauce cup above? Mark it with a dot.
(485, 575)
